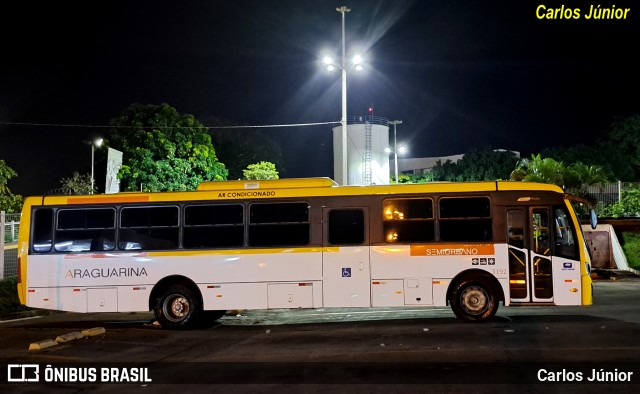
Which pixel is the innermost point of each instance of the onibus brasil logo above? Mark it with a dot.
(32, 373)
(121, 272)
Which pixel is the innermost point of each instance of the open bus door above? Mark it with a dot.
(530, 260)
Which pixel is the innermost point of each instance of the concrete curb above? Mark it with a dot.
(47, 343)
(92, 332)
(43, 344)
(69, 337)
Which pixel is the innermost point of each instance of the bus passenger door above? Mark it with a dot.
(345, 257)
(530, 268)
(518, 254)
(541, 272)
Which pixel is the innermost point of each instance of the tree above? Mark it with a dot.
(163, 150)
(9, 202)
(579, 175)
(628, 206)
(483, 164)
(261, 170)
(621, 148)
(424, 177)
(537, 169)
(239, 147)
(573, 178)
(447, 171)
(579, 153)
(77, 184)
(486, 165)
(617, 154)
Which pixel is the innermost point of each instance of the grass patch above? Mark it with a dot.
(631, 247)
(9, 302)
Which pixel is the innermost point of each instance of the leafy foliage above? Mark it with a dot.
(621, 148)
(9, 302)
(573, 178)
(476, 165)
(163, 150)
(261, 170)
(617, 154)
(538, 169)
(628, 206)
(239, 147)
(77, 184)
(447, 171)
(631, 247)
(9, 202)
(577, 153)
(415, 178)
(486, 165)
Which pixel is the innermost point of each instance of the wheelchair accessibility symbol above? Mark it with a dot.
(346, 272)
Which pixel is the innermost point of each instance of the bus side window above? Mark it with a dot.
(346, 227)
(149, 228)
(408, 220)
(540, 231)
(515, 227)
(465, 219)
(215, 226)
(279, 224)
(42, 230)
(85, 229)
(565, 241)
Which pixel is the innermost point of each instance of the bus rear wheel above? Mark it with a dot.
(177, 308)
(474, 300)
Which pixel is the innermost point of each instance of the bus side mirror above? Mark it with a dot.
(594, 219)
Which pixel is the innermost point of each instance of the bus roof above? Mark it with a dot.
(287, 183)
(289, 188)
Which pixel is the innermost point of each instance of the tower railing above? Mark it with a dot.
(364, 119)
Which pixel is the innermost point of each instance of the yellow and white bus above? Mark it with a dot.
(303, 243)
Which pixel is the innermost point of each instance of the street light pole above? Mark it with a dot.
(395, 146)
(343, 10)
(92, 165)
(95, 143)
(357, 63)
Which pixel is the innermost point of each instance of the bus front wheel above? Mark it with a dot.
(177, 308)
(473, 300)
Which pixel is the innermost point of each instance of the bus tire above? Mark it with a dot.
(473, 299)
(177, 308)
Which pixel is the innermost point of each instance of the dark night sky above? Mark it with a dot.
(460, 74)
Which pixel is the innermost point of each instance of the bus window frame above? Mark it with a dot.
(250, 225)
(58, 230)
(365, 219)
(52, 223)
(384, 221)
(491, 218)
(184, 226)
(121, 229)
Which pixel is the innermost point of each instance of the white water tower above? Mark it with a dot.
(367, 161)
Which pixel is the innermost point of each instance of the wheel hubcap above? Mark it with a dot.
(176, 308)
(474, 300)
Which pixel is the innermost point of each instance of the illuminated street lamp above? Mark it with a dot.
(396, 149)
(94, 144)
(356, 64)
